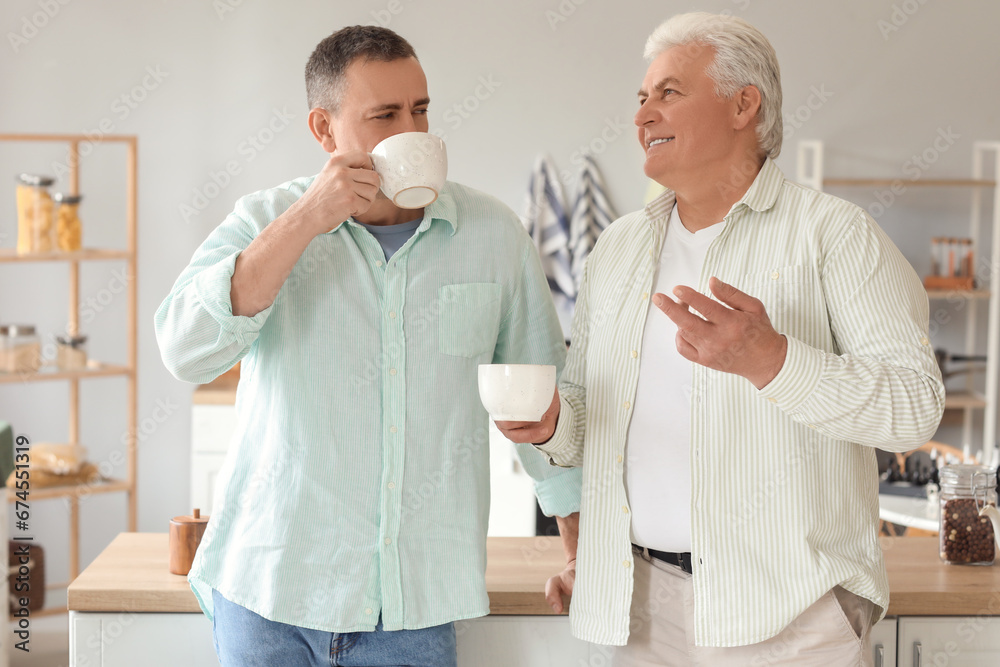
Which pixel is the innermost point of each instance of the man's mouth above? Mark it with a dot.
(656, 142)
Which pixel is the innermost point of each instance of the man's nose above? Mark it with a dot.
(643, 116)
(407, 123)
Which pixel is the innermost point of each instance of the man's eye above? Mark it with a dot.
(384, 116)
(420, 111)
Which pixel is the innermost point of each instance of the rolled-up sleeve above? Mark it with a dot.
(198, 335)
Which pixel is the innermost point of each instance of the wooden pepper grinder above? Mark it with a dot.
(185, 535)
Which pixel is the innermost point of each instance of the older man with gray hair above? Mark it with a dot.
(740, 347)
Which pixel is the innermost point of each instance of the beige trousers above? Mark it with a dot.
(833, 632)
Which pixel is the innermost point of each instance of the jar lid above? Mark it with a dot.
(15, 330)
(66, 198)
(195, 517)
(967, 475)
(72, 341)
(36, 180)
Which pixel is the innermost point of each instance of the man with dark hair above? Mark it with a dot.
(351, 517)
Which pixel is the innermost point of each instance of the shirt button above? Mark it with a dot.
(392, 371)
(626, 564)
(391, 485)
(368, 611)
(773, 400)
(625, 509)
(775, 275)
(378, 263)
(645, 295)
(392, 314)
(393, 429)
(627, 405)
(388, 540)
(924, 341)
(811, 425)
(635, 354)
(619, 458)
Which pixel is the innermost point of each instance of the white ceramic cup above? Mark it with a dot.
(412, 167)
(516, 392)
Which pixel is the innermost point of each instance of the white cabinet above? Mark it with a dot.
(956, 641)
(212, 427)
(883, 642)
(975, 399)
(523, 641)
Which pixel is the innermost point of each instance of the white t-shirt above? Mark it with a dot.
(658, 450)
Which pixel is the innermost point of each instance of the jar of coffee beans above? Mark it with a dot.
(966, 537)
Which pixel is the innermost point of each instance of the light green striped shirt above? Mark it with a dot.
(784, 480)
(357, 482)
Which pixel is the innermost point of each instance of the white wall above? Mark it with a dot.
(563, 75)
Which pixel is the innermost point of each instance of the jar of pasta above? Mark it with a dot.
(68, 229)
(34, 214)
(22, 349)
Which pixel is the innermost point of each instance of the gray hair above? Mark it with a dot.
(331, 58)
(743, 57)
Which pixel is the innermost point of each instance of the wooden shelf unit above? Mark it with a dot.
(985, 158)
(74, 493)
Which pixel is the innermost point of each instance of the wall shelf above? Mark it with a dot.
(72, 494)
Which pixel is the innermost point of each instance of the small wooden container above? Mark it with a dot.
(185, 535)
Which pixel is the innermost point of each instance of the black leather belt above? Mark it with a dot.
(680, 559)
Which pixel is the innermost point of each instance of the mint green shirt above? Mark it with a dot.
(357, 482)
(784, 488)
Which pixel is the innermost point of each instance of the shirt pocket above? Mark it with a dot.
(470, 319)
(792, 297)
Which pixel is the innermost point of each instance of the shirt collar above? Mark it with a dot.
(762, 194)
(443, 208)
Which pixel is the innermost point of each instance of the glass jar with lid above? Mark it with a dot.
(22, 349)
(965, 536)
(69, 232)
(71, 352)
(34, 214)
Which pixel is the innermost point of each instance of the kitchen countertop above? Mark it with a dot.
(131, 574)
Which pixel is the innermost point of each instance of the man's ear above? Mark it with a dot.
(322, 128)
(747, 106)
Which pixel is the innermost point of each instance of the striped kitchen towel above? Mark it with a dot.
(546, 221)
(592, 213)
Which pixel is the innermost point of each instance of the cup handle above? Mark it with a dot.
(991, 512)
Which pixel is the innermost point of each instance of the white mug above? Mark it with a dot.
(516, 392)
(412, 167)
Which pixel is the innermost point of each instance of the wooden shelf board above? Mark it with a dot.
(106, 486)
(53, 373)
(958, 294)
(959, 400)
(11, 255)
(927, 182)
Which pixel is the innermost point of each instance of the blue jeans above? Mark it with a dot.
(246, 639)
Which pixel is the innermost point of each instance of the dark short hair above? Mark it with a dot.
(331, 58)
